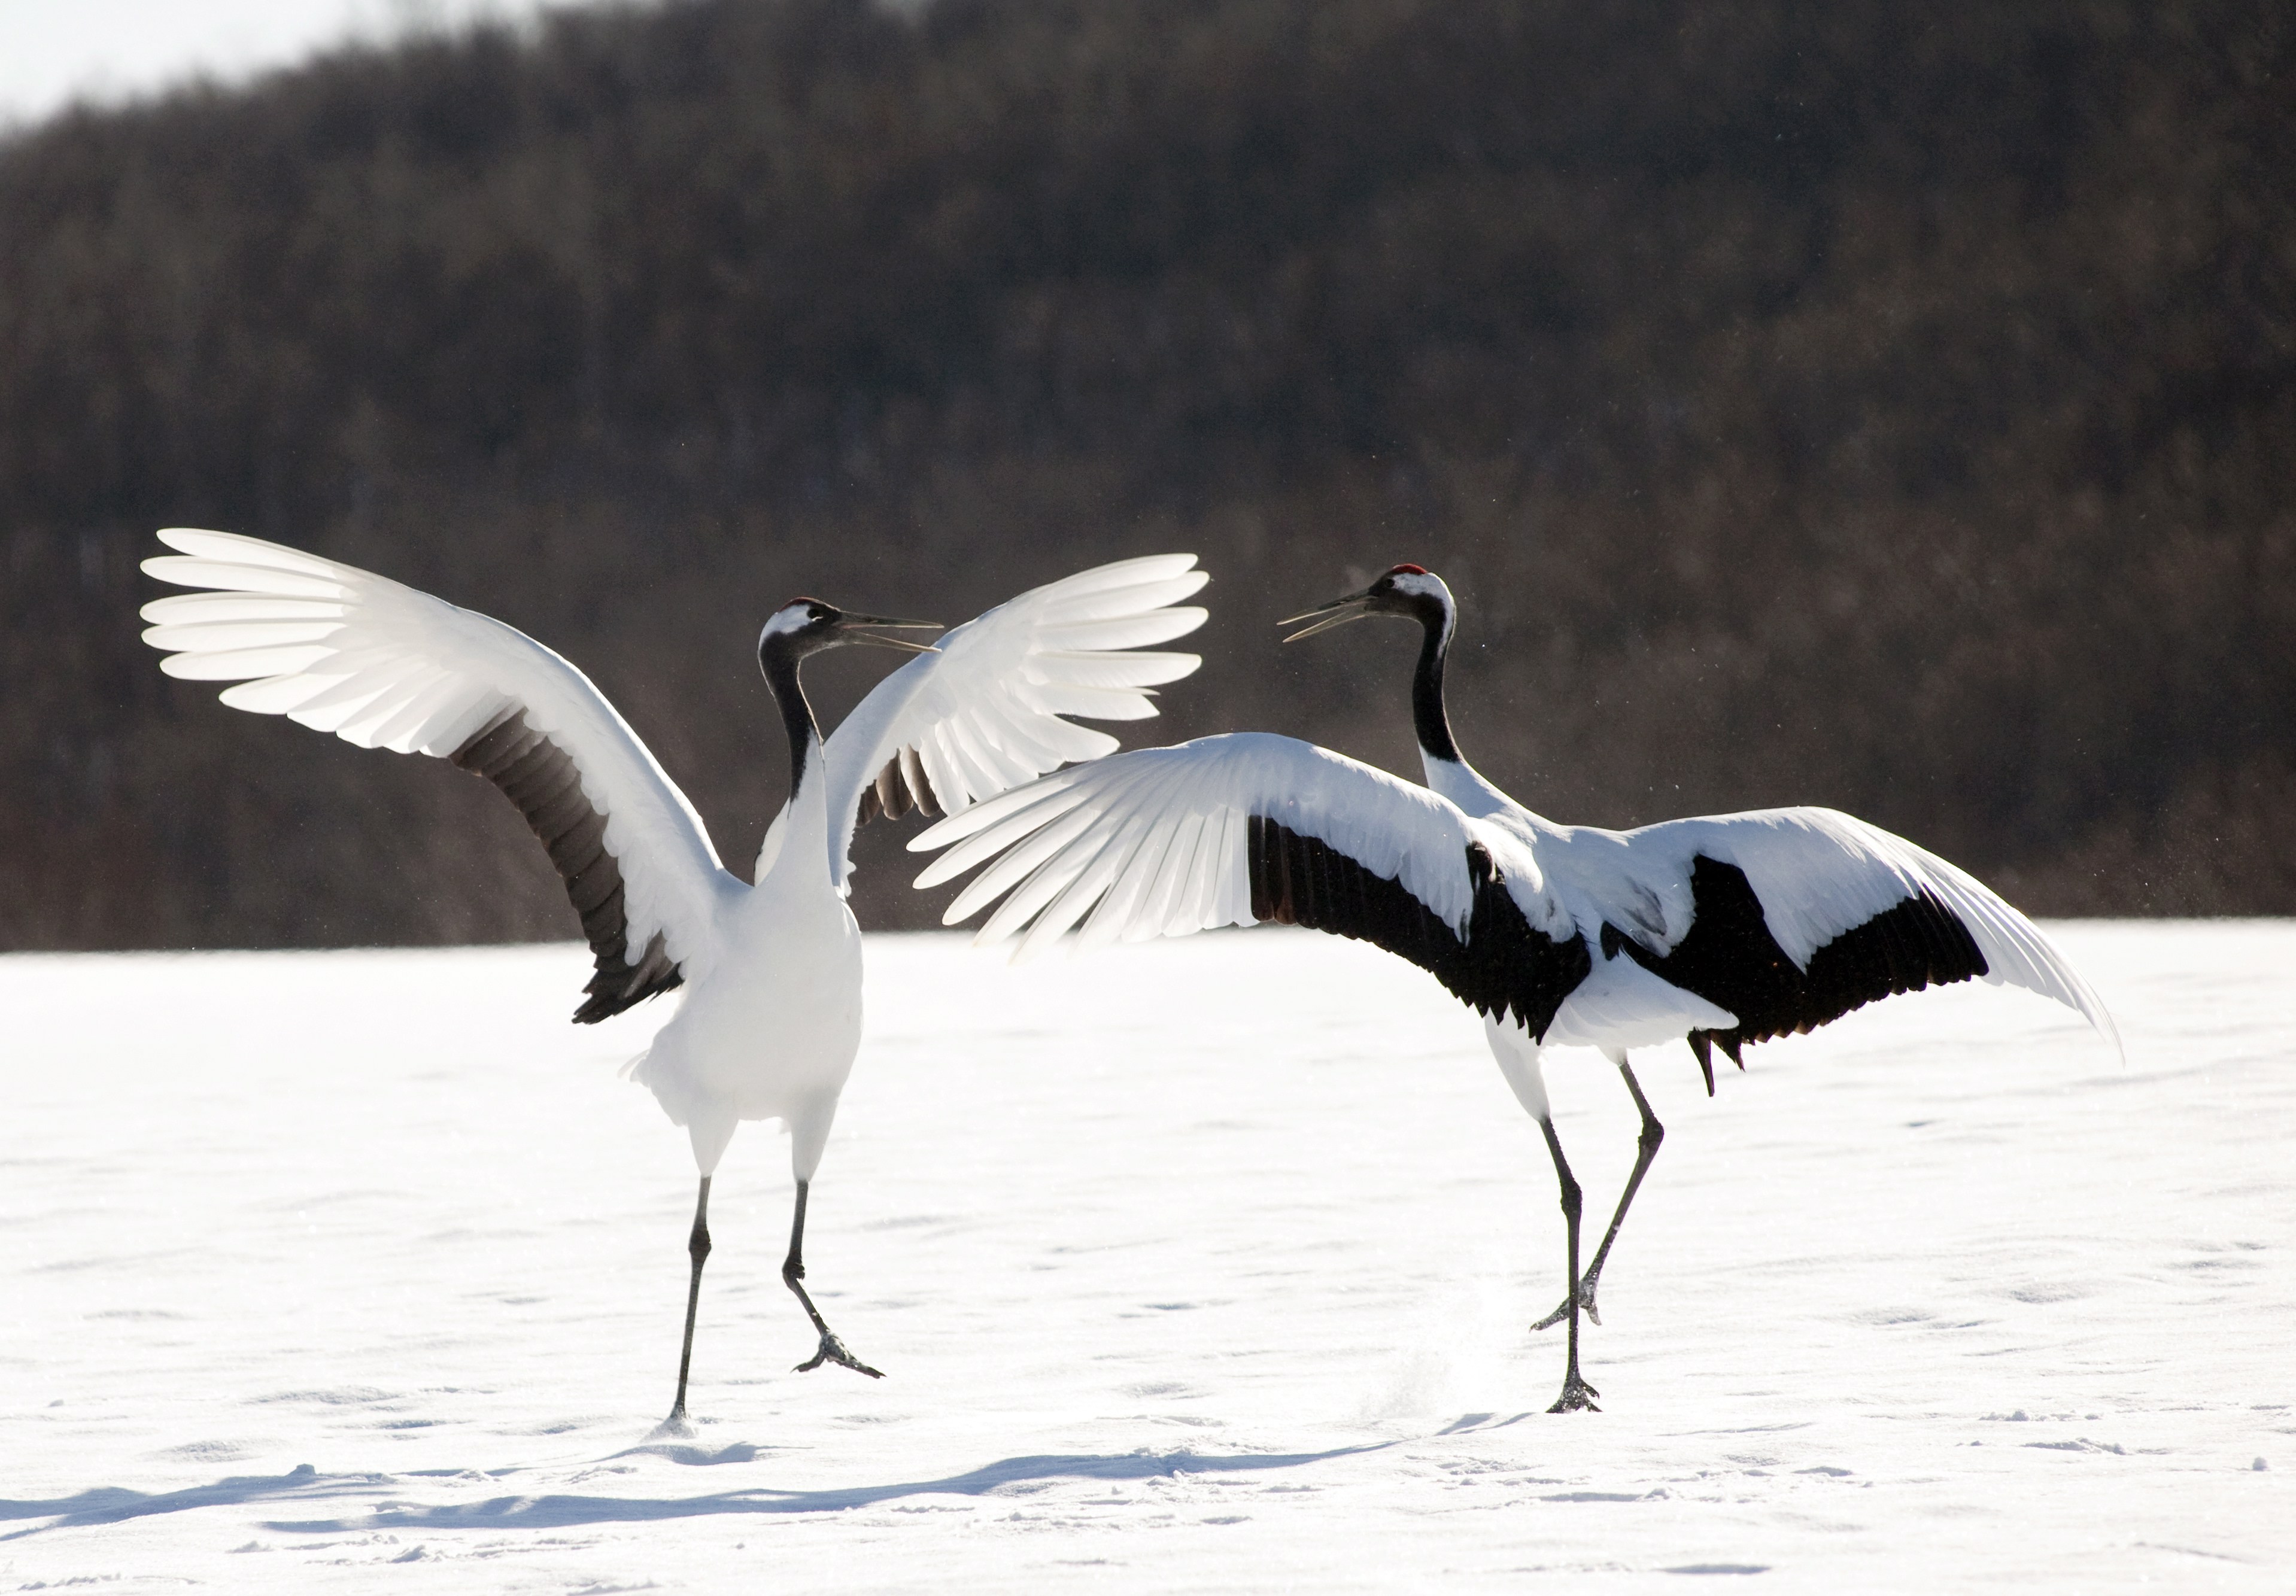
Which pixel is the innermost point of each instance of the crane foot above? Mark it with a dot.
(832, 1351)
(1577, 1396)
(1586, 1307)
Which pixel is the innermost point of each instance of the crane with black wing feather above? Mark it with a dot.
(769, 1017)
(1722, 931)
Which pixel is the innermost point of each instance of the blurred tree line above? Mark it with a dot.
(1887, 405)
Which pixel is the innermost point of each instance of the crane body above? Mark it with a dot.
(1721, 931)
(769, 971)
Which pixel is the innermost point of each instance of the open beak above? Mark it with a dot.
(848, 630)
(1322, 617)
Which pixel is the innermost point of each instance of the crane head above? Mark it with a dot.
(1411, 592)
(804, 627)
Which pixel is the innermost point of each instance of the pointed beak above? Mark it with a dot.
(1322, 617)
(850, 629)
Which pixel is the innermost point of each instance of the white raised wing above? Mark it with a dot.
(382, 664)
(1153, 843)
(1247, 827)
(1858, 911)
(984, 713)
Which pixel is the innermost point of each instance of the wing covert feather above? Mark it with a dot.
(382, 664)
(1248, 827)
(1828, 888)
(984, 713)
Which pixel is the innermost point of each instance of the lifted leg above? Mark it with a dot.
(697, 1247)
(1653, 1133)
(1577, 1393)
(832, 1350)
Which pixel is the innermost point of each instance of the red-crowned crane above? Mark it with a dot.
(1723, 931)
(771, 968)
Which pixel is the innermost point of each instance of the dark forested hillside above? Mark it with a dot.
(1887, 405)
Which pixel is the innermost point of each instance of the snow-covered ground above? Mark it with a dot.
(1203, 1265)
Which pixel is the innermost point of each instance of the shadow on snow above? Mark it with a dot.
(109, 1504)
(112, 1504)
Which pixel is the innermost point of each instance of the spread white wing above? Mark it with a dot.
(1857, 911)
(1250, 827)
(382, 666)
(985, 712)
(1754, 925)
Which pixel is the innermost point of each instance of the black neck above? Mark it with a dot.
(1427, 715)
(780, 662)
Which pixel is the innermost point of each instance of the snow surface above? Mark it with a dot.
(1202, 1265)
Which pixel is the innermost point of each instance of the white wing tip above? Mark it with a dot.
(239, 547)
(932, 876)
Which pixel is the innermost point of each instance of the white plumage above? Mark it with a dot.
(985, 712)
(382, 666)
(1726, 930)
(1155, 844)
(771, 1016)
(1167, 826)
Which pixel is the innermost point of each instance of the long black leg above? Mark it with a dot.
(1577, 1393)
(833, 1350)
(697, 1247)
(1653, 1133)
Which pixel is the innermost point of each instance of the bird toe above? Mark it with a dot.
(1562, 1312)
(1578, 1397)
(833, 1351)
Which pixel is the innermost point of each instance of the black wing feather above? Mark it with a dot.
(541, 778)
(1501, 965)
(900, 787)
(1730, 959)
